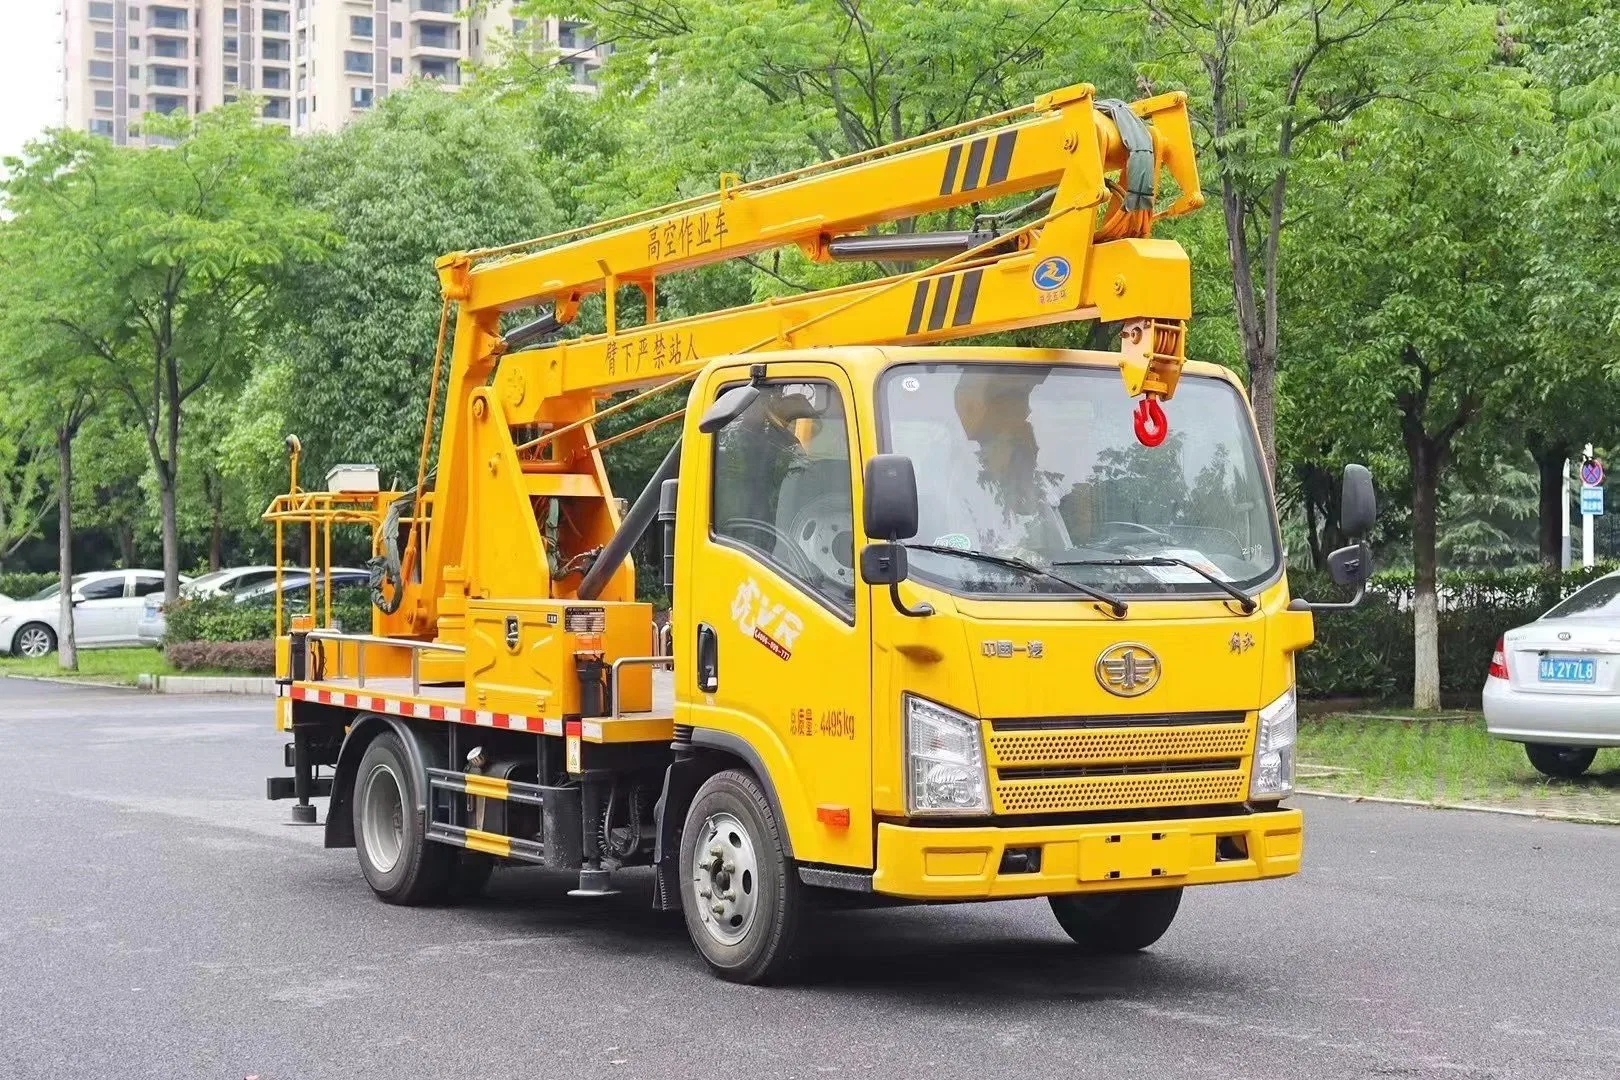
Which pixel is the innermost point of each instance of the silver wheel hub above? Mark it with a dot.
(382, 817)
(34, 643)
(725, 877)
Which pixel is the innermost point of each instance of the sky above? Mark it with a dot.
(30, 70)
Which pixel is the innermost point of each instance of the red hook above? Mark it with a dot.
(1151, 426)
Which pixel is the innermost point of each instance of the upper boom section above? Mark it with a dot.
(1087, 155)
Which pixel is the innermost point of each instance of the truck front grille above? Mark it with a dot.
(1063, 765)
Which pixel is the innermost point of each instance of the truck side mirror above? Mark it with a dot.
(1350, 565)
(727, 407)
(890, 507)
(1358, 506)
(889, 514)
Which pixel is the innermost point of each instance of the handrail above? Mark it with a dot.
(667, 661)
(416, 647)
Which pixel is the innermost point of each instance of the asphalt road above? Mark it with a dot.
(158, 919)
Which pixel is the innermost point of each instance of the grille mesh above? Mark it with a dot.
(1094, 746)
(1120, 792)
(1128, 767)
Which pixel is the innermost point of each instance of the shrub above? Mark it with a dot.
(251, 657)
(1369, 652)
(20, 586)
(220, 618)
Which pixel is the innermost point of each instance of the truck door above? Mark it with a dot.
(779, 656)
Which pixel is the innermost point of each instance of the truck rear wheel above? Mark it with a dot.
(1560, 762)
(1110, 924)
(398, 862)
(742, 901)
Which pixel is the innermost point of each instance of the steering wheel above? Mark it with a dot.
(1139, 531)
(781, 545)
(821, 530)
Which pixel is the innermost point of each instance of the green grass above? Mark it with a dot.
(102, 665)
(1444, 757)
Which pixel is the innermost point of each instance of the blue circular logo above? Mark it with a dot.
(1050, 274)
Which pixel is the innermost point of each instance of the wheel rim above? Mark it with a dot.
(382, 818)
(34, 642)
(725, 877)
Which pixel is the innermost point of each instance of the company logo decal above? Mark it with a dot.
(1128, 669)
(1050, 274)
(767, 622)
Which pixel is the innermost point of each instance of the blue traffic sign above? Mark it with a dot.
(1592, 472)
(1591, 500)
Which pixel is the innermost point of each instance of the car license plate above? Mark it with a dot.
(1567, 669)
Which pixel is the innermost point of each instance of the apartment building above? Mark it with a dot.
(314, 64)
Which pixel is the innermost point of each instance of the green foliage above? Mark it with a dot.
(21, 585)
(222, 618)
(1368, 652)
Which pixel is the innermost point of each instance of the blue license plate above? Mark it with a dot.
(1567, 669)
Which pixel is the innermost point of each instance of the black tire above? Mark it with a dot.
(755, 939)
(1560, 762)
(34, 631)
(1112, 924)
(415, 871)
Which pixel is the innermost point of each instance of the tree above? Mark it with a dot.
(1270, 81)
(1428, 306)
(24, 480)
(162, 264)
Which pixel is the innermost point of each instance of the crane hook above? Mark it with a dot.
(1151, 425)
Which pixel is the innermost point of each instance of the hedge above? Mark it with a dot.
(1368, 652)
(220, 618)
(253, 657)
(20, 586)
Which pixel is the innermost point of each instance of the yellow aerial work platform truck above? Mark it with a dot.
(946, 623)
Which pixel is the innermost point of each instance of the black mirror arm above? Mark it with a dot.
(918, 612)
(1299, 603)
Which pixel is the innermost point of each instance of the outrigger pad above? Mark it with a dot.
(594, 883)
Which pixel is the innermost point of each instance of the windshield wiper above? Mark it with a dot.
(1243, 598)
(1115, 604)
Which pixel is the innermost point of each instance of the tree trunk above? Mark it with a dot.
(1550, 521)
(1425, 604)
(126, 545)
(216, 528)
(171, 540)
(67, 652)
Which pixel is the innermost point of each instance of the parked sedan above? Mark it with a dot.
(106, 612)
(295, 588)
(1554, 684)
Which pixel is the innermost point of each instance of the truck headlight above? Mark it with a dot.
(1272, 776)
(944, 761)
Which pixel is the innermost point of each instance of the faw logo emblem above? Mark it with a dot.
(767, 622)
(1128, 669)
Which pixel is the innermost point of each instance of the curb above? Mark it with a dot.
(253, 685)
(69, 680)
(1544, 815)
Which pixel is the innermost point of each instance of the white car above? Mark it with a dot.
(216, 583)
(1554, 684)
(106, 612)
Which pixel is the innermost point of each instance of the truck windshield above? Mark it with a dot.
(1041, 463)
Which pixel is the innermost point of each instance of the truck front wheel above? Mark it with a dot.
(742, 901)
(1110, 924)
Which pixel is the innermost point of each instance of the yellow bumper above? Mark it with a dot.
(942, 863)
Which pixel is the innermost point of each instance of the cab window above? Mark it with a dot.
(782, 490)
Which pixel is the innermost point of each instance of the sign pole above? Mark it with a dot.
(1588, 553)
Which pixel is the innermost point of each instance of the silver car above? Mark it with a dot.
(1554, 684)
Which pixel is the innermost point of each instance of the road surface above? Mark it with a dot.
(161, 920)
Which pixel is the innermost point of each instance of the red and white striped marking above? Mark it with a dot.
(452, 714)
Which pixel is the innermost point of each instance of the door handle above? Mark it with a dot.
(708, 659)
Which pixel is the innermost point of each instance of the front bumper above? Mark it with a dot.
(1544, 717)
(940, 863)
